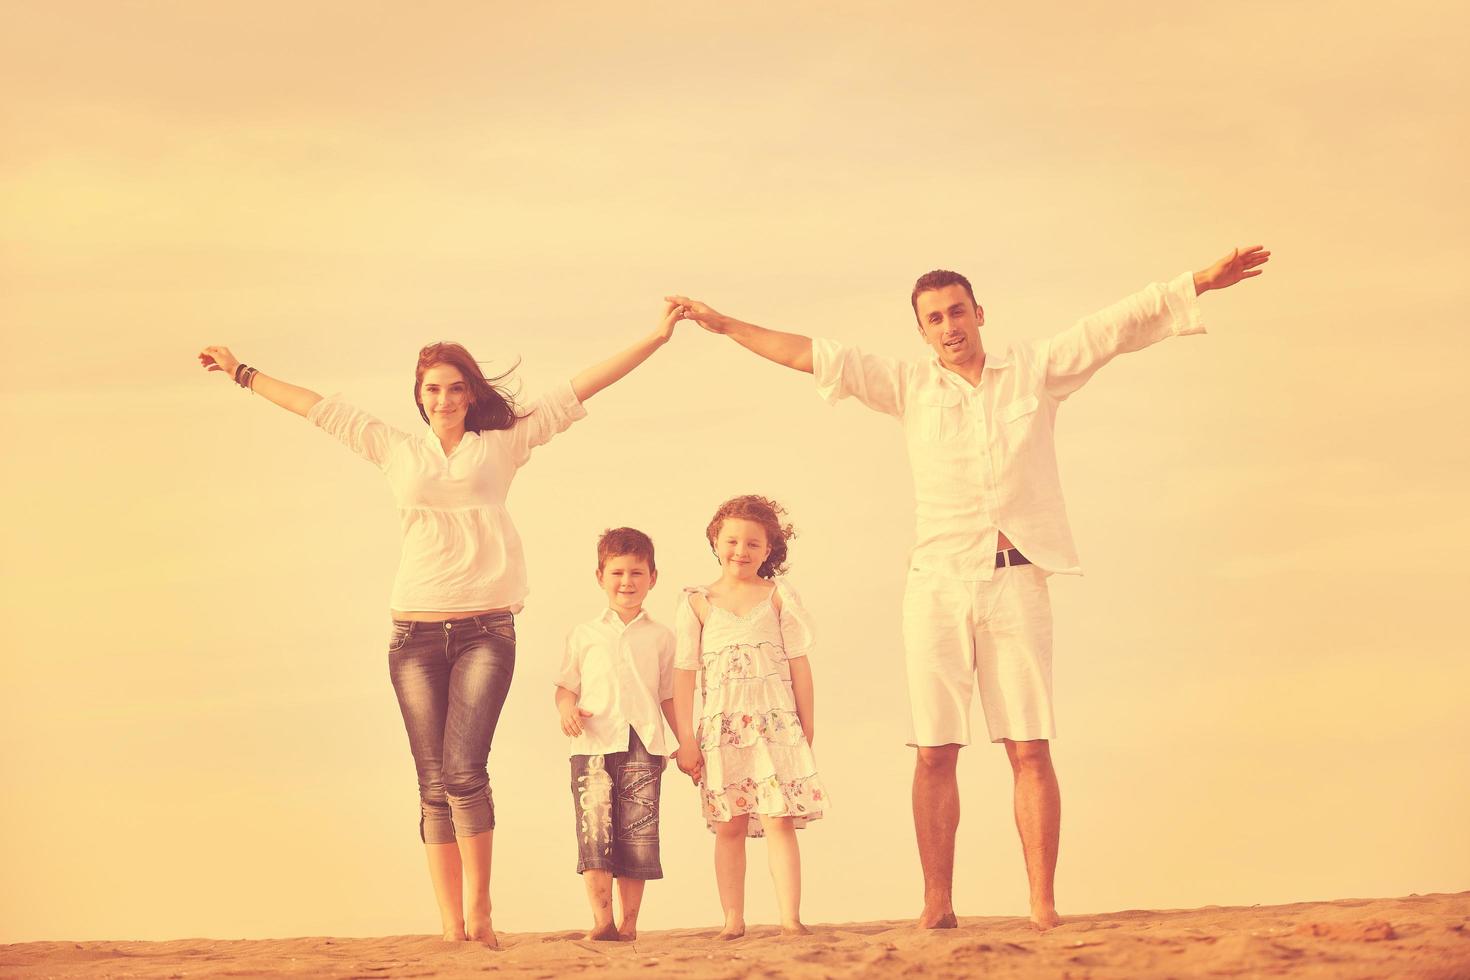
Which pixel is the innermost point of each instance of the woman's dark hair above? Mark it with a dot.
(765, 512)
(492, 406)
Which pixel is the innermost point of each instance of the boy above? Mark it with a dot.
(616, 678)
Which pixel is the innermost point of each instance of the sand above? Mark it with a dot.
(1420, 936)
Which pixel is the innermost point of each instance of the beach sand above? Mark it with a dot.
(1419, 936)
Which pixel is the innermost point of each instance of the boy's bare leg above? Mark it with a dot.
(785, 858)
(474, 856)
(630, 897)
(599, 895)
(936, 820)
(1039, 822)
(444, 872)
(730, 874)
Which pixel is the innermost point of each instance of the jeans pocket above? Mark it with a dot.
(398, 638)
(501, 627)
(638, 799)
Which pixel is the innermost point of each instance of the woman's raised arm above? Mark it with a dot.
(288, 396)
(589, 382)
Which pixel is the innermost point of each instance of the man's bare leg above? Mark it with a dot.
(936, 820)
(1039, 822)
(444, 872)
(599, 884)
(630, 897)
(730, 873)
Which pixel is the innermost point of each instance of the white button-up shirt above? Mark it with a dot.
(460, 550)
(622, 674)
(984, 457)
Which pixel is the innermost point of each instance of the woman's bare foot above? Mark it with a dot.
(1044, 918)
(734, 929)
(454, 935)
(605, 933)
(628, 931)
(938, 919)
(480, 931)
(794, 929)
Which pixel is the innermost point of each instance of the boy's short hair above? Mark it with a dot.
(619, 541)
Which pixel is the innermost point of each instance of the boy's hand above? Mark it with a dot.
(690, 761)
(571, 719)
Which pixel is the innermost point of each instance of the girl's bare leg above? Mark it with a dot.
(444, 872)
(785, 858)
(730, 873)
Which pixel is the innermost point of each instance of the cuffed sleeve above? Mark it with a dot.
(666, 667)
(688, 632)
(548, 415)
(842, 372)
(1159, 311)
(570, 674)
(360, 432)
(797, 633)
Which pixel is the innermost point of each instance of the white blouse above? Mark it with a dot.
(461, 552)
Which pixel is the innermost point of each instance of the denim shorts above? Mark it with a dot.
(615, 797)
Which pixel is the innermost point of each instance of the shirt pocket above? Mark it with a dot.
(1019, 409)
(941, 416)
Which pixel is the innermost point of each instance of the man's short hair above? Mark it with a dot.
(938, 279)
(620, 541)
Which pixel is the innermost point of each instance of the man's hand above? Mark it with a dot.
(690, 761)
(571, 718)
(1239, 264)
(701, 313)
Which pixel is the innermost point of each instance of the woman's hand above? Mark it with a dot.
(673, 313)
(219, 359)
(701, 313)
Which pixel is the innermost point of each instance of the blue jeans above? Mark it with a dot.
(451, 678)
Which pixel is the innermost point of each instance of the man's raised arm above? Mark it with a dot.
(790, 349)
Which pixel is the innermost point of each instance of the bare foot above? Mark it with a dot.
(480, 931)
(628, 932)
(732, 930)
(454, 935)
(938, 920)
(1045, 918)
(603, 934)
(795, 929)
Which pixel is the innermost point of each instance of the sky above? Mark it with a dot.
(1259, 681)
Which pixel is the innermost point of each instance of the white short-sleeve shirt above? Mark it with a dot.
(622, 674)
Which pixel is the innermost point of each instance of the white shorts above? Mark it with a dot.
(996, 632)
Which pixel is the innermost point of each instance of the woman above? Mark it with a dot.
(461, 578)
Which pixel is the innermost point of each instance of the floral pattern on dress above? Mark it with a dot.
(756, 756)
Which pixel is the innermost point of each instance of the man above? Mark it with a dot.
(991, 527)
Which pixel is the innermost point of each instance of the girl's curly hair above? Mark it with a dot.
(768, 514)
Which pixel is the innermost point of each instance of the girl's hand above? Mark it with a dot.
(673, 313)
(219, 359)
(690, 761)
(571, 719)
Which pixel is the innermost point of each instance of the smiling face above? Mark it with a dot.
(626, 579)
(741, 546)
(950, 322)
(445, 395)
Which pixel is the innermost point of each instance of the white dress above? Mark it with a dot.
(756, 758)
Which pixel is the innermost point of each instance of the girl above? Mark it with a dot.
(461, 578)
(751, 753)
